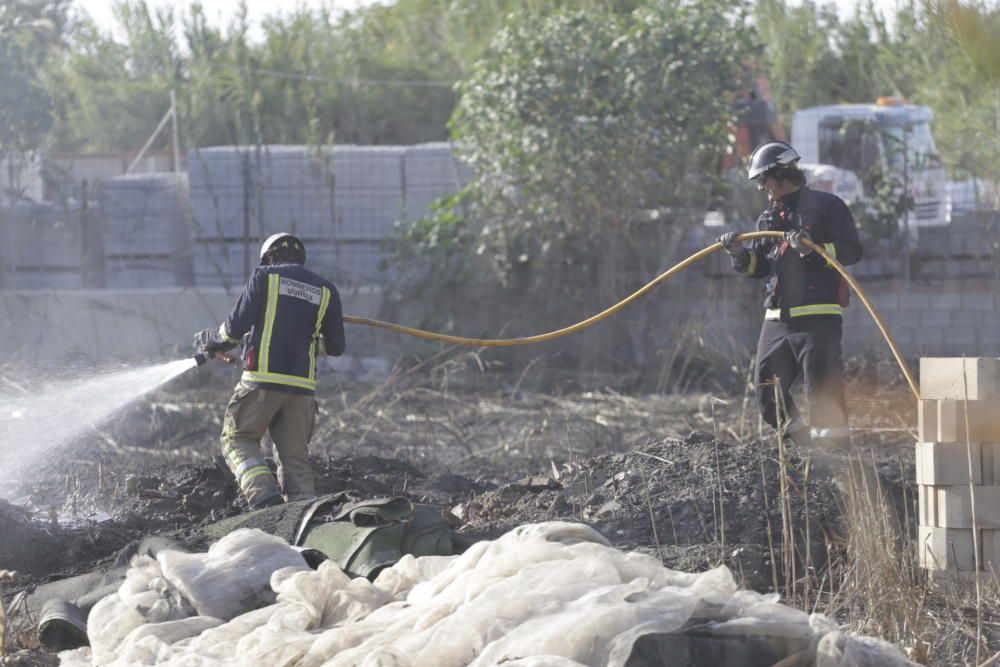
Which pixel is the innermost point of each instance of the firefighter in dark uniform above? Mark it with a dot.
(804, 296)
(286, 316)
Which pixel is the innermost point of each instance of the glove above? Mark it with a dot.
(207, 341)
(202, 339)
(795, 238)
(731, 244)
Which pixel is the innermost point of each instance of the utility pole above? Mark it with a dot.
(246, 216)
(175, 131)
(906, 200)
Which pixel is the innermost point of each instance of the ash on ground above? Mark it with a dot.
(688, 478)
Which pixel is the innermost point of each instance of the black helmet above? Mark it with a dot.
(771, 155)
(285, 244)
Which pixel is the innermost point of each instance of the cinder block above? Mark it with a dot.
(949, 301)
(927, 426)
(991, 550)
(935, 318)
(889, 301)
(990, 462)
(942, 378)
(962, 337)
(947, 463)
(907, 317)
(946, 548)
(927, 504)
(953, 509)
(914, 301)
(980, 301)
(983, 420)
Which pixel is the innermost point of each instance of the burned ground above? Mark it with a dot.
(689, 478)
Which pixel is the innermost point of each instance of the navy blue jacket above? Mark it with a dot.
(291, 315)
(799, 286)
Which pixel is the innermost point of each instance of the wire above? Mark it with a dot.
(663, 277)
(303, 76)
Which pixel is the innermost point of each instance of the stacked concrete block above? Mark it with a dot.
(219, 184)
(268, 189)
(351, 264)
(342, 201)
(220, 262)
(296, 192)
(433, 170)
(41, 246)
(368, 191)
(145, 230)
(959, 444)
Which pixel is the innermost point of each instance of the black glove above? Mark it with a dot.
(202, 339)
(731, 244)
(209, 341)
(795, 238)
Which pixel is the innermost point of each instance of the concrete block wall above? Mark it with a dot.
(67, 327)
(959, 443)
(949, 318)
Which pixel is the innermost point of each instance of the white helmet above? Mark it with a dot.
(282, 240)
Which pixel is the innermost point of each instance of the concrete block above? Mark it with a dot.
(983, 421)
(936, 318)
(927, 505)
(947, 463)
(962, 337)
(927, 427)
(945, 548)
(988, 333)
(914, 301)
(942, 378)
(930, 340)
(978, 301)
(909, 317)
(888, 301)
(948, 301)
(990, 540)
(953, 509)
(990, 463)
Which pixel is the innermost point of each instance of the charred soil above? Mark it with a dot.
(689, 478)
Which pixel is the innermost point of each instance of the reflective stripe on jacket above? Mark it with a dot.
(799, 286)
(291, 315)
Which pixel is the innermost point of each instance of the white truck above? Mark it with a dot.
(843, 144)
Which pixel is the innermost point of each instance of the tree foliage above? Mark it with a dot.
(939, 53)
(594, 137)
(383, 74)
(575, 123)
(29, 33)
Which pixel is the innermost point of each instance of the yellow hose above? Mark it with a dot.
(608, 312)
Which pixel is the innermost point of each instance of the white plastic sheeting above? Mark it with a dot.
(553, 594)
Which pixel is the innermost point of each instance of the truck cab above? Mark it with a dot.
(844, 145)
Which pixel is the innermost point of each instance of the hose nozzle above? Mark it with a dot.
(200, 358)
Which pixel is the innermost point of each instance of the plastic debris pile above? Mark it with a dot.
(543, 594)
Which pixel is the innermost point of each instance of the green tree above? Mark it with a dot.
(111, 95)
(30, 33)
(967, 94)
(594, 137)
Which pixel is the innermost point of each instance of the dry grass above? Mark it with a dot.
(4, 576)
(873, 583)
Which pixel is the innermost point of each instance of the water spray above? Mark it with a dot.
(43, 420)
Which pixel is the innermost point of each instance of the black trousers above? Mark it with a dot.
(807, 348)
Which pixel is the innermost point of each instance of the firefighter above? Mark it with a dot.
(804, 297)
(286, 316)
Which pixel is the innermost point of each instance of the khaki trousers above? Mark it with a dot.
(290, 419)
